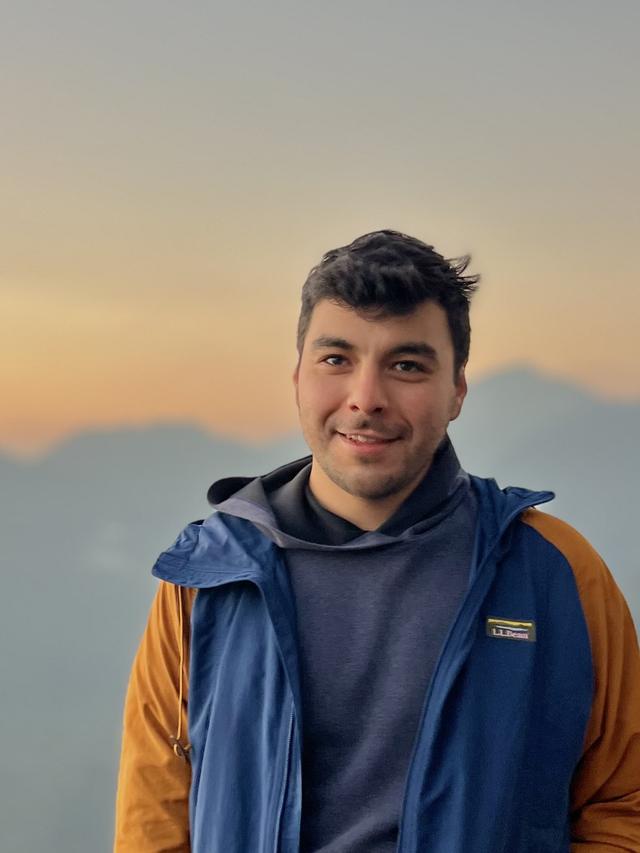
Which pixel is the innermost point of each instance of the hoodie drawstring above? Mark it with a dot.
(178, 748)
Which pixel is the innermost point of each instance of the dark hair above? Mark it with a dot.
(387, 273)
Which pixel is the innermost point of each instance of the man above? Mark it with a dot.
(369, 650)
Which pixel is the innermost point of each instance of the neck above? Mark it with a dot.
(365, 513)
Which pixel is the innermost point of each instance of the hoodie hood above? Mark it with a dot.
(283, 507)
(224, 548)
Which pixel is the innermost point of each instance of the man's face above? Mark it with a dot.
(390, 380)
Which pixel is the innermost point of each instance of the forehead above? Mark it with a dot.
(426, 323)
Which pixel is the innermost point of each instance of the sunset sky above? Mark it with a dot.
(169, 172)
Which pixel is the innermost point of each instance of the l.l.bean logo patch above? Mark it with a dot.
(511, 629)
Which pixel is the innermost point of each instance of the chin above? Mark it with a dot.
(373, 488)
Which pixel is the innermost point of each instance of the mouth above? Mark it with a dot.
(366, 442)
(365, 436)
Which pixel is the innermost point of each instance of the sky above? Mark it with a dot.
(169, 173)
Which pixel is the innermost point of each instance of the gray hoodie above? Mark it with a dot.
(373, 609)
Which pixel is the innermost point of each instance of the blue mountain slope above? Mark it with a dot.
(82, 527)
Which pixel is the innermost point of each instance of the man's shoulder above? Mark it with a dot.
(589, 569)
(215, 550)
(559, 533)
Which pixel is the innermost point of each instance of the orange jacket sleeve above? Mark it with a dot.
(605, 795)
(152, 803)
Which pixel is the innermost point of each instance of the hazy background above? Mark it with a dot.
(168, 175)
(170, 172)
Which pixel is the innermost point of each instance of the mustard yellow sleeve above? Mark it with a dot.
(605, 794)
(152, 802)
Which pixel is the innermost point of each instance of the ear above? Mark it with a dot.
(460, 393)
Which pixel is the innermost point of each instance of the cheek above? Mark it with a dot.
(317, 399)
(430, 410)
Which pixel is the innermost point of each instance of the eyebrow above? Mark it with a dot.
(406, 348)
(415, 348)
(326, 341)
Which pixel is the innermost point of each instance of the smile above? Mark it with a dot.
(365, 443)
(368, 439)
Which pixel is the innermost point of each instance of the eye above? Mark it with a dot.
(409, 367)
(333, 360)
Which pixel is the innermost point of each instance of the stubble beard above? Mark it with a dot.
(370, 488)
(367, 484)
(371, 485)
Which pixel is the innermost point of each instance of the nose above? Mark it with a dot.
(367, 393)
